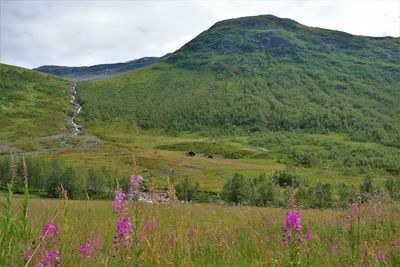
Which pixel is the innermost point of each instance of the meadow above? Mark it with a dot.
(62, 232)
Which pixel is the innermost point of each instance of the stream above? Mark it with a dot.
(78, 108)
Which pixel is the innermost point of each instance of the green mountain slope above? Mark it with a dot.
(97, 71)
(261, 73)
(32, 104)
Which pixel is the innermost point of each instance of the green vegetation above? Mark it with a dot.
(260, 73)
(201, 235)
(32, 104)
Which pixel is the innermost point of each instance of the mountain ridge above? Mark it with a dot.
(99, 71)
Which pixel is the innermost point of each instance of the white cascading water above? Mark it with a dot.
(77, 128)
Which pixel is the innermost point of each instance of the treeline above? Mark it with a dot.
(280, 187)
(307, 151)
(46, 177)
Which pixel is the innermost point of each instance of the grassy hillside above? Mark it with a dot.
(261, 73)
(97, 71)
(32, 104)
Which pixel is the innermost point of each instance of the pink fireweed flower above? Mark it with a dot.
(309, 236)
(135, 186)
(267, 238)
(353, 211)
(193, 231)
(334, 248)
(171, 240)
(48, 252)
(293, 221)
(378, 212)
(51, 256)
(150, 225)
(49, 231)
(333, 220)
(124, 228)
(85, 249)
(123, 238)
(381, 256)
(120, 203)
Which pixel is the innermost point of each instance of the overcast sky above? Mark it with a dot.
(78, 33)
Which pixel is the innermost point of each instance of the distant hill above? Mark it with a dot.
(257, 74)
(32, 104)
(97, 71)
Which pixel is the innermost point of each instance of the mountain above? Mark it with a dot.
(97, 71)
(32, 104)
(257, 74)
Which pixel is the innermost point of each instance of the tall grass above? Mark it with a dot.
(87, 233)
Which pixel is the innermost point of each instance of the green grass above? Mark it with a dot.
(32, 104)
(214, 235)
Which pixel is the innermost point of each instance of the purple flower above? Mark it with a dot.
(353, 210)
(49, 231)
(381, 256)
(48, 251)
(135, 187)
(309, 236)
(293, 221)
(150, 225)
(124, 227)
(267, 238)
(171, 240)
(120, 203)
(192, 232)
(395, 243)
(334, 248)
(51, 256)
(85, 249)
(378, 212)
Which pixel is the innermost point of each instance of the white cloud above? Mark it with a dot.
(72, 32)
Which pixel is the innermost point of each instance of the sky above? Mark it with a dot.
(88, 32)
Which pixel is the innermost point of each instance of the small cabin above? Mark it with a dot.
(191, 154)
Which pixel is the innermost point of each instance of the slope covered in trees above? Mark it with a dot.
(261, 73)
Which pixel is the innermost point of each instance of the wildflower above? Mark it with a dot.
(395, 243)
(85, 250)
(334, 248)
(309, 236)
(267, 238)
(50, 256)
(171, 240)
(333, 220)
(150, 225)
(378, 212)
(192, 232)
(48, 250)
(28, 256)
(49, 231)
(353, 211)
(124, 228)
(293, 221)
(381, 256)
(120, 203)
(135, 187)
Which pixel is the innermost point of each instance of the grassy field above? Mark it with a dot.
(213, 235)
